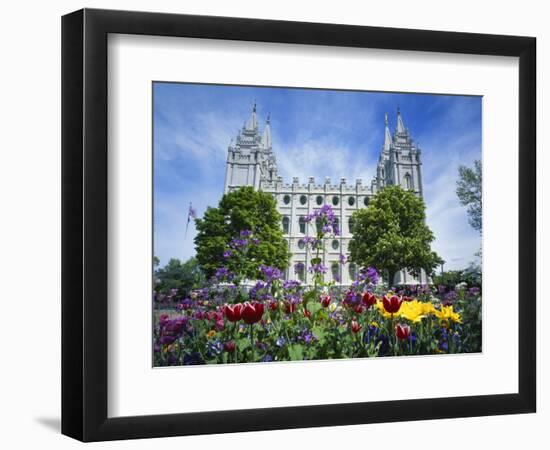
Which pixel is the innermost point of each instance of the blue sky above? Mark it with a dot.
(315, 133)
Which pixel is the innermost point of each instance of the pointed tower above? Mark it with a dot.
(405, 159)
(250, 160)
(400, 126)
(383, 169)
(266, 136)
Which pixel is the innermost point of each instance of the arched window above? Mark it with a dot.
(286, 199)
(335, 244)
(299, 270)
(301, 244)
(335, 270)
(408, 181)
(303, 200)
(319, 200)
(366, 201)
(351, 201)
(352, 271)
(335, 200)
(302, 223)
(351, 222)
(286, 225)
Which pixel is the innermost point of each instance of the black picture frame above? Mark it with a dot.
(84, 224)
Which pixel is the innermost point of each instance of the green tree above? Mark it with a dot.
(468, 190)
(242, 209)
(183, 276)
(391, 234)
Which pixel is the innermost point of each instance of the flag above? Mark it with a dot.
(191, 213)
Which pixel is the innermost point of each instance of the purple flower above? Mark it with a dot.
(318, 268)
(222, 272)
(237, 243)
(227, 254)
(474, 291)
(270, 273)
(449, 298)
(185, 304)
(352, 298)
(372, 275)
(343, 259)
(307, 337)
(298, 267)
(255, 241)
(245, 233)
(291, 284)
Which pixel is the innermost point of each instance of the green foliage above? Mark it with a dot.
(469, 192)
(183, 276)
(243, 209)
(391, 234)
(471, 276)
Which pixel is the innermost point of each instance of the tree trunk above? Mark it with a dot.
(391, 277)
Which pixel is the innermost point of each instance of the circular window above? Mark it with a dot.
(351, 201)
(303, 199)
(335, 200)
(286, 199)
(335, 244)
(366, 201)
(319, 200)
(301, 244)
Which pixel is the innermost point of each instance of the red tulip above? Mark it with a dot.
(368, 299)
(402, 331)
(290, 307)
(325, 300)
(407, 299)
(392, 304)
(273, 305)
(233, 312)
(229, 346)
(359, 309)
(355, 327)
(307, 313)
(252, 312)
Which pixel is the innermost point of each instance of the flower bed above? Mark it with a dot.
(283, 320)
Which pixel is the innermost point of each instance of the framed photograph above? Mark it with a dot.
(273, 225)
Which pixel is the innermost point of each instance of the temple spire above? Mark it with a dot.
(400, 125)
(266, 137)
(387, 135)
(253, 121)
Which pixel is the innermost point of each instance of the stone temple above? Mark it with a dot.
(251, 161)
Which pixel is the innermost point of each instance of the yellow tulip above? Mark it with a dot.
(447, 313)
